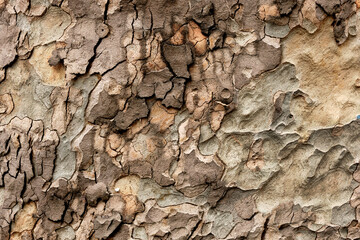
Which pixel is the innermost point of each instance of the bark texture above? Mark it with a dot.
(179, 119)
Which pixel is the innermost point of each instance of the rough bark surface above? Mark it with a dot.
(179, 119)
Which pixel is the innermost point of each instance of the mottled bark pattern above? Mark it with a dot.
(179, 119)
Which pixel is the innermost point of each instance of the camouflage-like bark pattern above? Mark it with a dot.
(179, 119)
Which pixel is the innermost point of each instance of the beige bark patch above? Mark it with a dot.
(53, 76)
(127, 185)
(266, 12)
(161, 116)
(179, 36)
(327, 73)
(24, 220)
(197, 38)
(6, 104)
